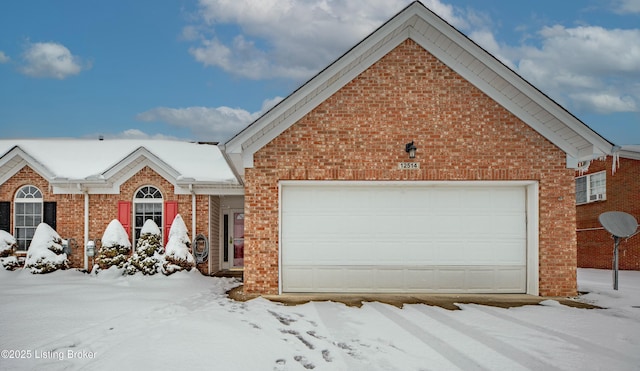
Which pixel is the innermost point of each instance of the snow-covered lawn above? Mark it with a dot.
(69, 320)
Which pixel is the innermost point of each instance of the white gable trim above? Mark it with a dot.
(15, 159)
(454, 49)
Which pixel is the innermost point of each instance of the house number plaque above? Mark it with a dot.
(408, 165)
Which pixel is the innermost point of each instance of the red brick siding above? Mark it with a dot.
(103, 208)
(359, 133)
(595, 247)
(69, 208)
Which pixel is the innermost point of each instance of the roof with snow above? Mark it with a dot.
(101, 166)
(457, 51)
(630, 151)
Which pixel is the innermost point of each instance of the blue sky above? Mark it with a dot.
(203, 70)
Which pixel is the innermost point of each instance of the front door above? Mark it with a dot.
(234, 249)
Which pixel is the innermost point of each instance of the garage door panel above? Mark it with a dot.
(368, 238)
(426, 279)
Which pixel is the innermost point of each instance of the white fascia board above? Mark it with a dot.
(630, 152)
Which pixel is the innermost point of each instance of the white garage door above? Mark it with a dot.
(403, 237)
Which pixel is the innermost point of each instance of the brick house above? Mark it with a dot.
(79, 186)
(416, 162)
(601, 189)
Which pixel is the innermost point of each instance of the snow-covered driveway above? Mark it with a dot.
(68, 320)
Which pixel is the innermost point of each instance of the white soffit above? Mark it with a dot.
(480, 68)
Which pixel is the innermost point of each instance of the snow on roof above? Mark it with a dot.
(630, 151)
(78, 159)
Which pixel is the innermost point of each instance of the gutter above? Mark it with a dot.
(223, 150)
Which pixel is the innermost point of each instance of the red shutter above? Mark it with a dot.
(170, 212)
(124, 215)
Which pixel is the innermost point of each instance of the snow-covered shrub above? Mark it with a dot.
(177, 252)
(10, 263)
(7, 243)
(148, 255)
(115, 246)
(45, 252)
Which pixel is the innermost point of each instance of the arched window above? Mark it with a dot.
(28, 214)
(147, 204)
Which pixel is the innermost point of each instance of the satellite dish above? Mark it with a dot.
(618, 223)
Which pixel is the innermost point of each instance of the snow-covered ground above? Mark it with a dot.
(69, 320)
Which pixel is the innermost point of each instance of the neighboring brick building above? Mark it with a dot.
(600, 189)
(79, 186)
(334, 203)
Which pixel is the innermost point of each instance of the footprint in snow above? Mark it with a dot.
(280, 365)
(305, 362)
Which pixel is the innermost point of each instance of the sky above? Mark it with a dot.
(204, 69)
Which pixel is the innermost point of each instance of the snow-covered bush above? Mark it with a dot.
(7, 243)
(148, 255)
(45, 252)
(177, 252)
(10, 263)
(115, 246)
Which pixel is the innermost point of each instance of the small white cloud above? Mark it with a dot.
(3, 57)
(626, 6)
(207, 123)
(604, 103)
(50, 60)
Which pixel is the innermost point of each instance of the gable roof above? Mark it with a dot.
(101, 166)
(418, 23)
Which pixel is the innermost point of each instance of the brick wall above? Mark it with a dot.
(359, 133)
(104, 208)
(69, 208)
(595, 247)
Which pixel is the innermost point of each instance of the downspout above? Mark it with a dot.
(193, 212)
(86, 226)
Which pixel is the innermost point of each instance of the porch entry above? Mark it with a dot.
(233, 254)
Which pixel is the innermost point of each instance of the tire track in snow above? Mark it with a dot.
(527, 360)
(449, 352)
(336, 327)
(587, 346)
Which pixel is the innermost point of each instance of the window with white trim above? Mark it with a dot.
(27, 214)
(147, 204)
(591, 188)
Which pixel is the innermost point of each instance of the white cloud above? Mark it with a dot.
(290, 39)
(592, 68)
(3, 57)
(604, 102)
(207, 123)
(51, 60)
(627, 6)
